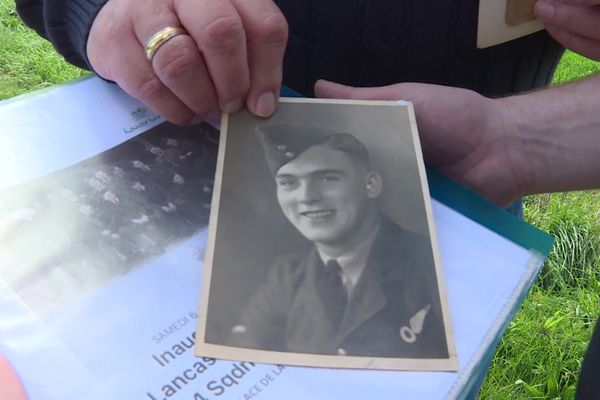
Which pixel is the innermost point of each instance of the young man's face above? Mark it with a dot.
(323, 194)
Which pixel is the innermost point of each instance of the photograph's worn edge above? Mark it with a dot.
(450, 364)
(212, 230)
(451, 343)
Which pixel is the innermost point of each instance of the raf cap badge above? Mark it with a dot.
(283, 142)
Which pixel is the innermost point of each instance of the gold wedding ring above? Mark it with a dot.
(161, 37)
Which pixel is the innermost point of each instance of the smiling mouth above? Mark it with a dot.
(317, 214)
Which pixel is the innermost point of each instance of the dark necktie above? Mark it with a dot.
(333, 291)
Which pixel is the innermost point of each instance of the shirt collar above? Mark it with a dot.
(353, 262)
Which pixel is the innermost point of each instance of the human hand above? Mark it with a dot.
(231, 55)
(462, 134)
(573, 23)
(10, 385)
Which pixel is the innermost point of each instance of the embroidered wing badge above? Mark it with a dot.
(415, 325)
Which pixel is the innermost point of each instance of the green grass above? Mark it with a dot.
(573, 66)
(574, 220)
(540, 355)
(27, 62)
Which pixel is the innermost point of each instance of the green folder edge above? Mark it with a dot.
(475, 207)
(480, 210)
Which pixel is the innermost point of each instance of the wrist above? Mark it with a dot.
(513, 139)
(553, 137)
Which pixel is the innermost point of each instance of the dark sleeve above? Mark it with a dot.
(589, 384)
(65, 23)
(263, 321)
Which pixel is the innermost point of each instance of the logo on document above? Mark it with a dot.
(141, 116)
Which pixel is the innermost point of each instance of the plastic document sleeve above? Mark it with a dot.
(127, 331)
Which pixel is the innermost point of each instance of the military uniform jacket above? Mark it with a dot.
(393, 311)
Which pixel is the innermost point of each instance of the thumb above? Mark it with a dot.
(332, 90)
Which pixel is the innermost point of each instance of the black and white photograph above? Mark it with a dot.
(322, 248)
(67, 233)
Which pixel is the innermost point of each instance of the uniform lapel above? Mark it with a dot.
(316, 315)
(367, 299)
(384, 266)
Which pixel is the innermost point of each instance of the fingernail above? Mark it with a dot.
(544, 10)
(233, 106)
(265, 105)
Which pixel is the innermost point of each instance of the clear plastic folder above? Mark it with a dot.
(92, 308)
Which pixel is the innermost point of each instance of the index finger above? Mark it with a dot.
(218, 32)
(267, 33)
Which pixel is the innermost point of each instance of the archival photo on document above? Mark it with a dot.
(322, 249)
(69, 233)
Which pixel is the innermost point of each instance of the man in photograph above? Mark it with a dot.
(367, 287)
